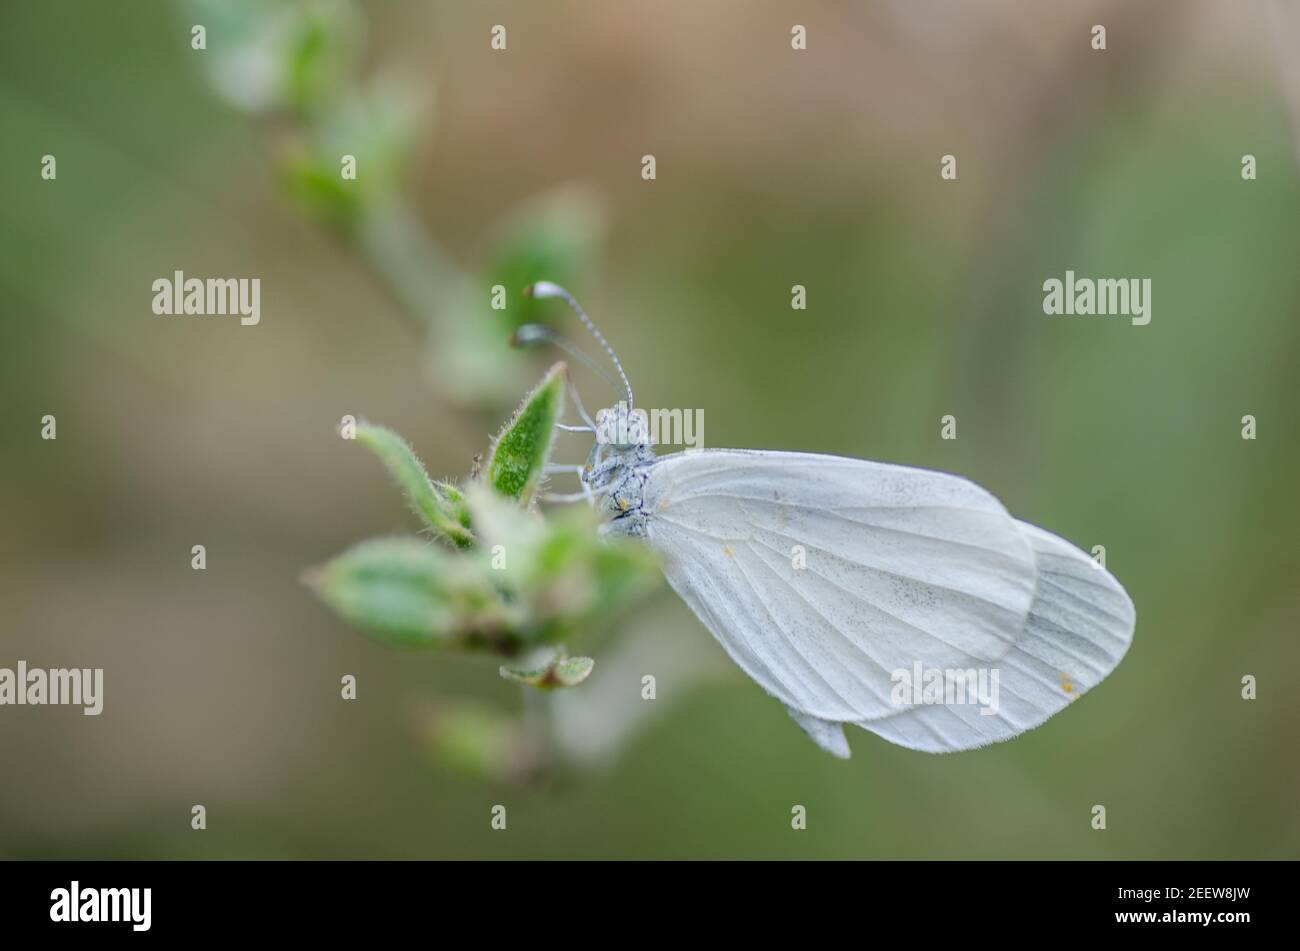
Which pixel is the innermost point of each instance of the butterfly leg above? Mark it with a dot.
(566, 497)
(588, 494)
(587, 425)
(580, 472)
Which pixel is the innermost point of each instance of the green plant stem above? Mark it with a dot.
(536, 720)
(413, 268)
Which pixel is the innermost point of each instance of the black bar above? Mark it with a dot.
(330, 899)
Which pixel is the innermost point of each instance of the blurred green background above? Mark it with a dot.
(775, 167)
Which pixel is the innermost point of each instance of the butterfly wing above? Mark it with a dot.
(821, 576)
(1080, 625)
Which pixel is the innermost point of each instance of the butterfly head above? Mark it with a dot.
(622, 427)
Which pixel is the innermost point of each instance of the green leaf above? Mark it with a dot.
(554, 237)
(441, 505)
(528, 581)
(461, 529)
(409, 593)
(479, 741)
(566, 577)
(318, 189)
(553, 670)
(319, 51)
(520, 452)
(378, 125)
(267, 57)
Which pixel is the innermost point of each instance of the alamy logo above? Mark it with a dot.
(77, 686)
(621, 426)
(103, 904)
(934, 686)
(214, 297)
(1126, 297)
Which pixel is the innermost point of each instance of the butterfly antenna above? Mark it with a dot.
(530, 334)
(543, 289)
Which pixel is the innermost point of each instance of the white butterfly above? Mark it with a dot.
(830, 581)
